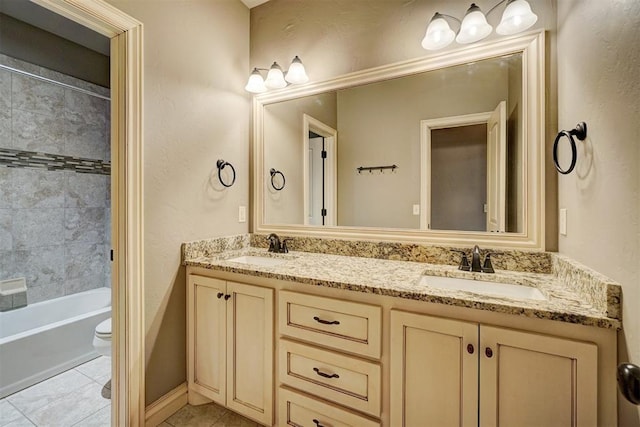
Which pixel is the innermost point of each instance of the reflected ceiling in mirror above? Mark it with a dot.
(438, 149)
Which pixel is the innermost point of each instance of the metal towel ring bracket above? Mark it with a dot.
(579, 132)
(221, 165)
(273, 173)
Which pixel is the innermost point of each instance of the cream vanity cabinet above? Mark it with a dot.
(230, 346)
(457, 373)
(329, 362)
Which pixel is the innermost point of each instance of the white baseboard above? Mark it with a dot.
(166, 406)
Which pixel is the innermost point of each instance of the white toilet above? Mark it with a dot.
(102, 338)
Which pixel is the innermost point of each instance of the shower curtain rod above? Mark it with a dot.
(68, 86)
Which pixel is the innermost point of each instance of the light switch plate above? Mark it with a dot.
(242, 214)
(416, 209)
(562, 222)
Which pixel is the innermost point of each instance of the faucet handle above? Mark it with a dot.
(464, 261)
(283, 247)
(487, 267)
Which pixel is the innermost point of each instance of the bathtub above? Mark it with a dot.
(49, 337)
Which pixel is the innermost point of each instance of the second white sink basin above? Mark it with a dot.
(258, 260)
(481, 287)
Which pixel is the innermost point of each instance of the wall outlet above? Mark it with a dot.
(416, 209)
(562, 222)
(242, 214)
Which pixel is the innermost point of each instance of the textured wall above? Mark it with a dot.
(379, 124)
(598, 66)
(196, 111)
(54, 223)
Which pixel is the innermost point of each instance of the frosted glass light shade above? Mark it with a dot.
(439, 34)
(517, 17)
(255, 84)
(296, 74)
(275, 77)
(474, 26)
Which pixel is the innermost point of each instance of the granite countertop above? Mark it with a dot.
(403, 279)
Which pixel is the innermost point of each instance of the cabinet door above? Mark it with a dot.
(434, 371)
(250, 351)
(528, 379)
(206, 337)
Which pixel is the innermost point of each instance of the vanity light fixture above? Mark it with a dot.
(276, 78)
(474, 27)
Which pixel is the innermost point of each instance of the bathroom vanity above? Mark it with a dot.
(309, 338)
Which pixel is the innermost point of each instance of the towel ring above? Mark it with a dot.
(221, 164)
(580, 132)
(273, 173)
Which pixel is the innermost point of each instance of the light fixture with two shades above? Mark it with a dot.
(474, 27)
(276, 78)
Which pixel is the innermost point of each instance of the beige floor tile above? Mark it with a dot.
(231, 419)
(102, 418)
(42, 394)
(196, 416)
(71, 408)
(10, 416)
(96, 369)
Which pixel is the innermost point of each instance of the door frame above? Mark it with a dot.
(127, 299)
(311, 124)
(426, 126)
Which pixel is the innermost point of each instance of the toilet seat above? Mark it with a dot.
(102, 338)
(103, 330)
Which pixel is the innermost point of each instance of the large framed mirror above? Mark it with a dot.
(447, 149)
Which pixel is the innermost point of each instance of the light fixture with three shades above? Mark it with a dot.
(276, 78)
(474, 27)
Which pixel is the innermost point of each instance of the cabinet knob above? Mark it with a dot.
(317, 423)
(220, 295)
(470, 348)
(488, 352)
(226, 297)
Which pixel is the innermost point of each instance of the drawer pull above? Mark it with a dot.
(325, 322)
(317, 423)
(322, 374)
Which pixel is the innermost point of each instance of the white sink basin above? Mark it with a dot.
(481, 287)
(258, 260)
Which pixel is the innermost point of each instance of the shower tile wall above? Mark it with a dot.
(54, 224)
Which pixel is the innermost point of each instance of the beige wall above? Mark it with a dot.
(379, 124)
(598, 69)
(195, 111)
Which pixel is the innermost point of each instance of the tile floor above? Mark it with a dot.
(80, 397)
(210, 415)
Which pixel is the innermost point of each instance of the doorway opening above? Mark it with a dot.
(319, 172)
(463, 172)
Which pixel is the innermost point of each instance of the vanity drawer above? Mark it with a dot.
(296, 409)
(343, 325)
(346, 380)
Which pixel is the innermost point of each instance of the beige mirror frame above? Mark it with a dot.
(531, 46)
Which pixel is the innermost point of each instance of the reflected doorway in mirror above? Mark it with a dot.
(319, 172)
